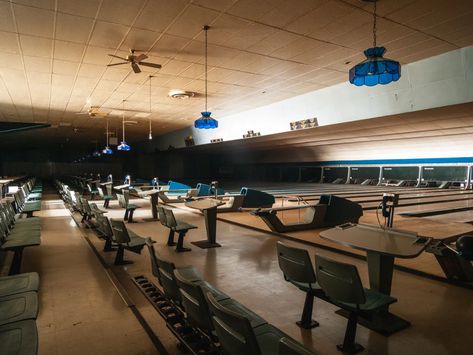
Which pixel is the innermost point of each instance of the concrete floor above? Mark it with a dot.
(81, 311)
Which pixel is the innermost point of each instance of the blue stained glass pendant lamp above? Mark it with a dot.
(205, 121)
(375, 69)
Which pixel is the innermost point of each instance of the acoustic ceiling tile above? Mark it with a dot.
(73, 28)
(34, 21)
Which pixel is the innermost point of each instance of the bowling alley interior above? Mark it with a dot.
(238, 177)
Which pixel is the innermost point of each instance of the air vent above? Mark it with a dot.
(181, 94)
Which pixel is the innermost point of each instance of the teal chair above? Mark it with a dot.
(177, 226)
(106, 198)
(129, 207)
(125, 239)
(297, 269)
(342, 286)
(237, 336)
(194, 301)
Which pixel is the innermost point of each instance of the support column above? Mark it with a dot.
(380, 179)
(321, 174)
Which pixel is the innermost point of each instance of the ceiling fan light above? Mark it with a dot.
(124, 147)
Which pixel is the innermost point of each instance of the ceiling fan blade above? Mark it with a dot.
(136, 68)
(116, 56)
(111, 65)
(153, 65)
(140, 57)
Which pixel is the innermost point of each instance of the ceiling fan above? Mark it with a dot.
(134, 60)
(93, 111)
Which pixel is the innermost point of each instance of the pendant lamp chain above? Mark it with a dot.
(107, 132)
(374, 24)
(206, 48)
(150, 136)
(123, 120)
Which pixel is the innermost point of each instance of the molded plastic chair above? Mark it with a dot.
(129, 207)
(179, 227)
(162, 219)
(342, 285)
(168, 280)
(236, 334)
(297, 269)
(106, 198)
(92, 192)
(196, 305)
(153, 259)
(19, 338)
(125, 240)
(11, 285)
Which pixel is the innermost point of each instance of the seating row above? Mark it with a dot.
(206, 320)
(18, 312)
(19, 292)
(27, 199)
(18, 233)
(334, 282)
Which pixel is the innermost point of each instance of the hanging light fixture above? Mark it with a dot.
(375, 69)
(96, 152)
(150, 136)
(123, 145)
(107, 150)
(205, 121)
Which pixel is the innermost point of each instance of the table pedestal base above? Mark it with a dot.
(384, 323)
(205, 244)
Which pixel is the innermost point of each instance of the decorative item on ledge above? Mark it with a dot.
(252, 134)
(189, 141)
(216, 140)
(302, 124)
(375, 69)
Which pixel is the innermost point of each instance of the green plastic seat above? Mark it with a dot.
(106, 198)
(125, 240)
(297, 268)
(18, 307)
(195, 303)
(236, 334)
(342, 285)
(11, 285)
(19, 338)
(129, 207)
(176, 226)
